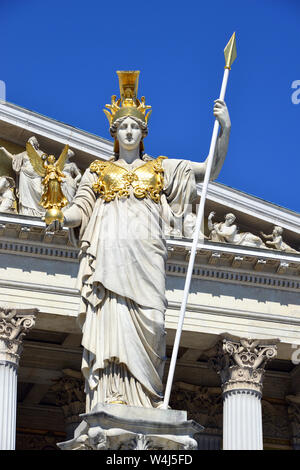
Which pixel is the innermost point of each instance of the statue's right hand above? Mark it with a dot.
(55, 226)
(211, 215)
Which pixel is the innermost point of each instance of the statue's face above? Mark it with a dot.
(34, 143)
(230, 219)
(129, 134)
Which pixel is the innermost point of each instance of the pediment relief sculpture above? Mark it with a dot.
(28, 182)
(228, 232)
(28, 198)
(8, 201)
(276, 242)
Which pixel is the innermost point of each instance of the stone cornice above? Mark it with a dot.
(235, 313)
(248, 277)
(26, 236)
(54, 130)
(231, 260)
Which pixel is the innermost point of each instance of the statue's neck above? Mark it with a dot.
(129, 156)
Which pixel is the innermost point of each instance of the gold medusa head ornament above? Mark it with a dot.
(50, 169)
(128, 104)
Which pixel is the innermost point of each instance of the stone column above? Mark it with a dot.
(71, 397)
(14, 324)
(240, 363)
(294, 418)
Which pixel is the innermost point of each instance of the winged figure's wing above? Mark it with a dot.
(35, 160)
(62, 158)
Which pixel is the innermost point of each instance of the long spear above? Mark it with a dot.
(230, 56)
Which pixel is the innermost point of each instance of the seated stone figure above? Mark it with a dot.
(277, 242)
(7, 196)
(228, 233)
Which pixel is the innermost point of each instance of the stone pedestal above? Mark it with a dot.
(121, 427)
(240, 363)
(14, 324)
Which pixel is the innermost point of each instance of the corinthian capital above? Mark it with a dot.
(14, 324)
(241, 361)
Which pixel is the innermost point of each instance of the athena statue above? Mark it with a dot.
(117, 215)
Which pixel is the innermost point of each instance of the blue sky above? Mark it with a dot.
(59, 58)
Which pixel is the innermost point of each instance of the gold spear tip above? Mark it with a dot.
(230, 52)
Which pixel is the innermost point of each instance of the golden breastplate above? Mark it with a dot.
(115, 181)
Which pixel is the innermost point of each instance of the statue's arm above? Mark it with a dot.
(271, 243)
(219, 230)
(72, 216)
(276, 241)
(210, 223)
(6, 153)
(77, 173)
(266, 236)
(222, 115)
(6, 204)
(82, 206)
(199, 171)
(72, 219)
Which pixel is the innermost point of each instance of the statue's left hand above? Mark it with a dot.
(221, 114)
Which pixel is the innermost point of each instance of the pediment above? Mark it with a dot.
(253, 215)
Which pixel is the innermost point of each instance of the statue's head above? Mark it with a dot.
(70, 154)
(34, 142)
(230, 218)
(127, 117)
(51, 159)
(5, 183)
(278, 230)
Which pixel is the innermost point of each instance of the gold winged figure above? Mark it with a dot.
(50, 169)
